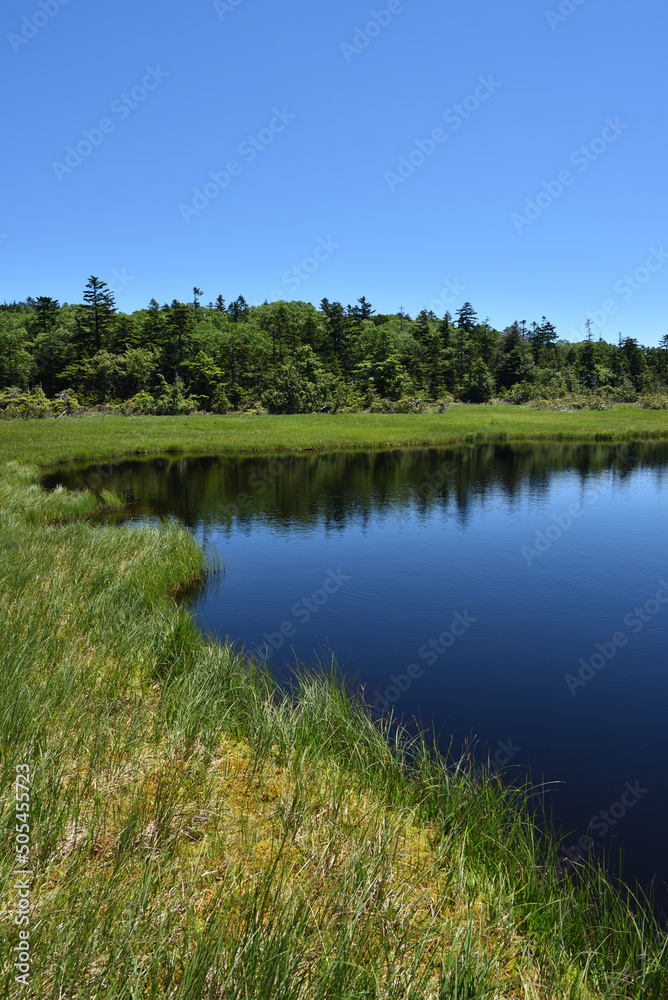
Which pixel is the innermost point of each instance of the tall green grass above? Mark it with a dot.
(50, 441)
(199, 832)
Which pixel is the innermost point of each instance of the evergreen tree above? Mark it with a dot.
(548, 333)
(514, 362)
(485, 340)
(432, 365)
(363, 310)
(467, 318)
(478, 384)
(336, 329)
(96, 316)
(421, 328)
(536, 340)
(586, 364)
(197, 292)
(125, 335)
(238, 310)
(446, 329)
(180, 324)
(153, 333)
(47, 312)
(635, 361)
(466, 324)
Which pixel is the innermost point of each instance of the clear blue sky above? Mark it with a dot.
(330, 173)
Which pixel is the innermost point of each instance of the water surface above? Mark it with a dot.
(503, 593)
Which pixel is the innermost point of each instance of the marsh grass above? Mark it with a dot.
(199, 832)
(98, 437)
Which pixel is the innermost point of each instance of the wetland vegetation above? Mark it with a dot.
(199, 831)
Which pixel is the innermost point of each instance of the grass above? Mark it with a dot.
(197, 832)
(97, 437)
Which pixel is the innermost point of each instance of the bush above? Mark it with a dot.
(173, 401)
(653, 401)
(219, 401)
(34, 404)
(29, 405)
(141, 404)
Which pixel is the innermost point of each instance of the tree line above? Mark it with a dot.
(291, 357)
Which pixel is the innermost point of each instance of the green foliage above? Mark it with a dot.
(95, 317)
(140, 404)
(300, 385)
(478, 384)
(514, 362)
(239, 357)
(33, 404)
(17, 364)
(173, 400)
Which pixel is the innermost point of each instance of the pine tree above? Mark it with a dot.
(238, 310)
(180, 323)
(548, 332)
(97, 314)
(431, 365)
(446, 329)
(47, 310)
(337, 328)
(154, 325)
(467, 318)
(363, 310)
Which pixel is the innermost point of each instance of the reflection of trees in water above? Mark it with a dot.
(334, 490)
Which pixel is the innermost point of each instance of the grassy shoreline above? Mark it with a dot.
(49, 442)
(196, 832)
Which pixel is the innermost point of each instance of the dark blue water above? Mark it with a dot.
(516, 596)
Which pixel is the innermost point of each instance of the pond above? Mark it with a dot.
(514, 596)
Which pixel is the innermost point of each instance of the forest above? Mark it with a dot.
(291, 357)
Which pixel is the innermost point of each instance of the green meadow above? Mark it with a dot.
(196, 831)
(101, 436)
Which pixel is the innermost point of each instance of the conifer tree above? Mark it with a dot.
(97, 314)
